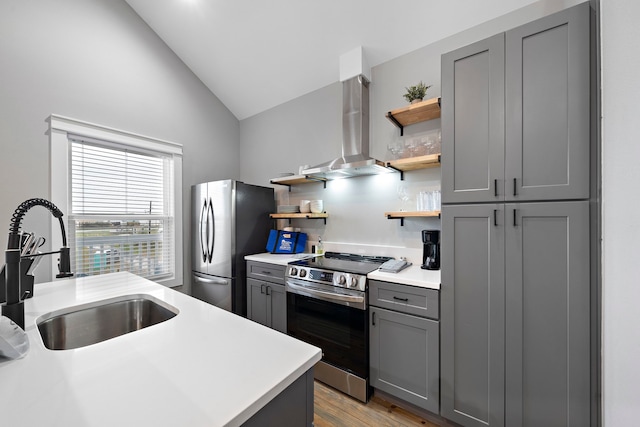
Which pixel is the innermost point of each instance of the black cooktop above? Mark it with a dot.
(344, 262)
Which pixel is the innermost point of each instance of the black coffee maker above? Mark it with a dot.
(431, 251)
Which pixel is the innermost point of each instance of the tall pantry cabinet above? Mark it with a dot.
(515, 294)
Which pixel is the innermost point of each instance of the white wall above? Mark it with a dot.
(620, 205)
(97, 61)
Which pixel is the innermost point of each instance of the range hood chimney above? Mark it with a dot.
(355, 159)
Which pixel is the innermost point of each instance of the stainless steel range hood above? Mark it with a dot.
(355, 159)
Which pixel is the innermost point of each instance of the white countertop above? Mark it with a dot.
(413, 275)
(279, 259)
(204, 367)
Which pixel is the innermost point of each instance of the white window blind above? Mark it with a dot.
(122, 210)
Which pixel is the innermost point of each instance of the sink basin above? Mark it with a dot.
(80, 326)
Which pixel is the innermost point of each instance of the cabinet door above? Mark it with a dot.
(473, 122)
(472, 315)
(412, 373)
(547, 332)
(257, 301)
(277, 307)
(548, 101)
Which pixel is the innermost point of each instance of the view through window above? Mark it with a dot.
(122, 210)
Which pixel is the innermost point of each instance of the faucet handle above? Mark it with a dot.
(64, 263)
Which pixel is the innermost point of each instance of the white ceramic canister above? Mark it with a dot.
(316, 206)
(305, 206)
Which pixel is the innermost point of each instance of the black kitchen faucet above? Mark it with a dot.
(16, 290)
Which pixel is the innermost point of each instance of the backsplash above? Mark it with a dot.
(356, 208)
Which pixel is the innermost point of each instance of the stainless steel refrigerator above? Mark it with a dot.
(229, 219)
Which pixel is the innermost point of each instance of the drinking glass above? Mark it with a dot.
(403, 195)
(437, 204)
(396, 148)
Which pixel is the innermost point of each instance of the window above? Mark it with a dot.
(121, 216)
(121, 193)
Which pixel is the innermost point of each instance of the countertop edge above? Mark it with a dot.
(58, 295)
(412, 276)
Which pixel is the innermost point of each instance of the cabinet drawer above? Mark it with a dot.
(263, 271)
(404, 298)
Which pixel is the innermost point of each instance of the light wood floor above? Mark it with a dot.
(334, 409)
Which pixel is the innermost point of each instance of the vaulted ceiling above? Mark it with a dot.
(256, 54)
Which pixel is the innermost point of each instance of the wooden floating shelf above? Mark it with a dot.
(406, 214)
(415, 163)
(401, 215)
(298, 179)
(415, 113)
(299, 215)
(291, 216)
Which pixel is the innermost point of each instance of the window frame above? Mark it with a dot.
(62, 128)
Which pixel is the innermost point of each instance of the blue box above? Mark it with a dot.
(286, 242)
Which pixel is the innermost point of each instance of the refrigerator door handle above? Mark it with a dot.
(203, 231)
(212, 281)
(211, 230)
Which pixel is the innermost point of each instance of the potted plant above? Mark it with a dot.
(416, 93)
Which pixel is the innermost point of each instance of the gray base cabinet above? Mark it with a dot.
(293, 407)
(266, 295)
(404, 347)
(472, 322)
(547, 353)
(515, 314)
(267, 304)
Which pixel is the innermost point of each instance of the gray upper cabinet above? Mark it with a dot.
(473, 122)
(547, 314)
(515, 113)
(548, 104)
(472, 315)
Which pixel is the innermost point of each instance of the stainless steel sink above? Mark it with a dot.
(84, 325)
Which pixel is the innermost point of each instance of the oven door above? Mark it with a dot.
(341, 331)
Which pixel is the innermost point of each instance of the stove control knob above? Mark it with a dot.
(303, 273)
(342, 280)
(293, 271)
(354, 282)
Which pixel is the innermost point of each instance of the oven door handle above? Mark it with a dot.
(355, 301)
